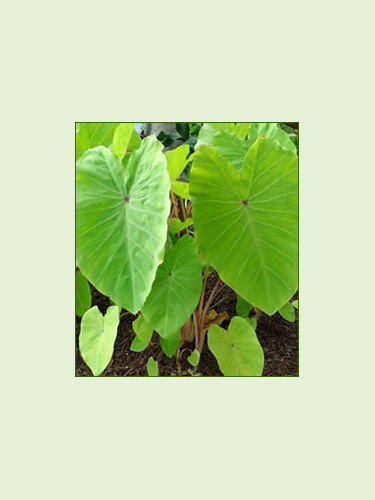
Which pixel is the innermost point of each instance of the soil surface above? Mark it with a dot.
(278, 337)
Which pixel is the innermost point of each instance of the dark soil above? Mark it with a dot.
(278, 337)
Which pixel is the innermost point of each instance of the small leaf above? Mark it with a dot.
(142, 329)
(242, 307)
(177, 225)
(169, 346)
(237, 350)
(138, 345)
(176, 161)
(83, 294)
(295, 304)
(121, 139)
(152, 367)
(97, 337)
(287, 312)
(194, 357)
(181, 189)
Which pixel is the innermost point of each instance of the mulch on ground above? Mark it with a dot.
(278, 338)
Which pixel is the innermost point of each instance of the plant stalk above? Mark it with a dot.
(174, 203)
(209, 300)
(182, 210)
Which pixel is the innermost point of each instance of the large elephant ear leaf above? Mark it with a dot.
(269, 129)
(176, 290)
(97, 337)
(246, 222)
(90, 135)
(237, 350)
(121, 221)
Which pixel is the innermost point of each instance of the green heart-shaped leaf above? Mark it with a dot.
(176, 289)
(97, 337)
(121, 221)
(194, 357)
(152, 368)
(142, 329)
(181, 189)
(83, 294)
(138, 345)
(177, 225)
(246, 222)
(237, 350)
(169, 346)
(287, 312)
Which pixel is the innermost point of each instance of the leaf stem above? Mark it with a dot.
(174, 205)
(197, 328)
(200, 307)
(189, 209)
(181, 207)
(209, 300)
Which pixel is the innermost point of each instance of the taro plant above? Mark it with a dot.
(148, 238)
